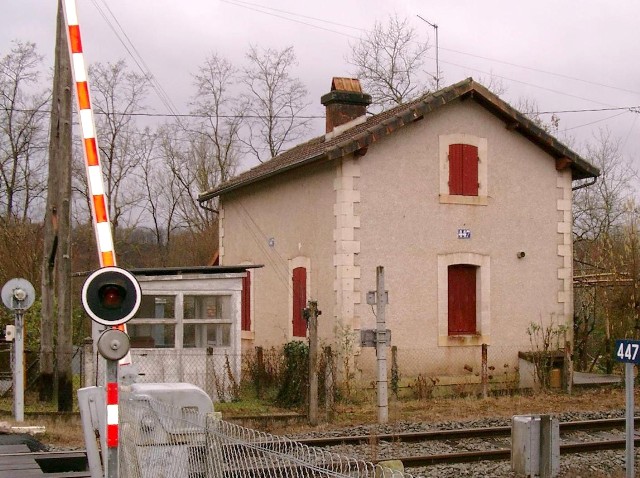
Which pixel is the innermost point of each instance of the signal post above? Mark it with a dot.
(111, 296)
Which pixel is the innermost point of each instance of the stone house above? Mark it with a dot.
(464, 201)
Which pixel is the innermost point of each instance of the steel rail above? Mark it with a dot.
(412, 437)
(505, 453)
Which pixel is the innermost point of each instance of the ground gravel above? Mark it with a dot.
(588, 465)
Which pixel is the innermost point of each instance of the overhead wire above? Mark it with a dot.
(137, 58)
(627, 109)
(261, 9)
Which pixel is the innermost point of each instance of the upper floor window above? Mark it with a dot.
(463, 169)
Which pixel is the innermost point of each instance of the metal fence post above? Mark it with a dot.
(88, 363)
(485, 372)
(328, 383)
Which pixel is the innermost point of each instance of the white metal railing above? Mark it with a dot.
(158, 440)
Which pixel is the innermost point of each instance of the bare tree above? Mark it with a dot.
(118, 94)
(161, 191)
(191, 169)
(223, 114)
(599, 208)
(389, 61)
(606, 251)
(274, 103)
(22, 132)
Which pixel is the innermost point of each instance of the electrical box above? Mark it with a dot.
(535, 445)
(10, 333)
(368, 337)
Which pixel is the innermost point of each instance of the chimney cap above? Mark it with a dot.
(346, 91)
(346, 84)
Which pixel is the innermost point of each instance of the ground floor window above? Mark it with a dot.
(182, 321)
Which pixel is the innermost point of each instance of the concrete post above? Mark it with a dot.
(381, 347)
(88, 363)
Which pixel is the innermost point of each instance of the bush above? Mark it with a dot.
(292, 391)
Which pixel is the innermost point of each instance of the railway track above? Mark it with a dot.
(491, 436)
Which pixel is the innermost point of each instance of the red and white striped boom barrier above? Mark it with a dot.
(99, 209)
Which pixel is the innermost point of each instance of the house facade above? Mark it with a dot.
(463, 200)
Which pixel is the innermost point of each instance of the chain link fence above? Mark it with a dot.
(32, 370)
(413, 373)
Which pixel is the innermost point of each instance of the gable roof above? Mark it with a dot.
(360, 136)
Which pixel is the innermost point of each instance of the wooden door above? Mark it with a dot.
(462, 299)
(299, 301)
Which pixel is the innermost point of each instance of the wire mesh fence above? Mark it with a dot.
(413, 372)
(158, 440)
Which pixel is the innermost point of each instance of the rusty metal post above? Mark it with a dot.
(485, 372)
(568, 367)
(313, 361)
(328, 383)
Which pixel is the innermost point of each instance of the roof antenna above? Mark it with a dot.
(435, 27)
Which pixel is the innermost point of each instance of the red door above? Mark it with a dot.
(299, 301)
(462, 299)
(246, 302)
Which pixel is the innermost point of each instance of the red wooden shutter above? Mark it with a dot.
(462, 299)
(299, 301)
(469, 170)
(455, 168)
(246, 302)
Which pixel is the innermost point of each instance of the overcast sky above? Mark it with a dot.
(567, 55)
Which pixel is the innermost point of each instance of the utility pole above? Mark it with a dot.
(56, 267)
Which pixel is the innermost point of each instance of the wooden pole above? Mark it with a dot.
(64, 344)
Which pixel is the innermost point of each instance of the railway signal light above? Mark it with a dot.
(111, 296)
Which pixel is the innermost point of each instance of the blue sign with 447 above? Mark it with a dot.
(627, 351)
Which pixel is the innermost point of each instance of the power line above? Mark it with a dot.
(137, 58)
(262, 8)
(624, 109)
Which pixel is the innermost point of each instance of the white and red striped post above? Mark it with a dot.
(112, 464)
(100, 214)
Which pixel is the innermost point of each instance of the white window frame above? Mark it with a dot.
(178, 321)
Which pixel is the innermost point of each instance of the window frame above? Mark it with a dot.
(444, 142)
(178, 321)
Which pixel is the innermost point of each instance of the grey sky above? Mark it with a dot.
(590, 46)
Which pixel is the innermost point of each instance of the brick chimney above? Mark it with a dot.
(345, 102)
